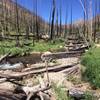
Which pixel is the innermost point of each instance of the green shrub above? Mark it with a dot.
(40, 46)
(91, 60)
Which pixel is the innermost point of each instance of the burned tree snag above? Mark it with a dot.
(84, 26)
(60, 19)
(57, 29)
(52, 22)
(95, 23)
(66, 31)
(71, 26)
(17, 25)
(37, 25)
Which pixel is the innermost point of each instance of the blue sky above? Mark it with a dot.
(44, 8)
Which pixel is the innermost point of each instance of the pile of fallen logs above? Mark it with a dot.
(21, 92)
(11, 73)
(19, 75)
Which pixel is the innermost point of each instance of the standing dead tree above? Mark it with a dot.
(27, 17)
(17, 24)
(5, 17)
(90, 22)
(66, 19)
(57, 28)
(37, 23)
(52, 22)
(95, 22)
(2, 19)
(33, 24)
(71, 24)
(84, 25)
(60, 18)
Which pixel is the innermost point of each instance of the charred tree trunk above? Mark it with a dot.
(2, 19)
(52, 22)
(5, 13)
(60, 19)
(66, 31)
(17, 25)
(37, 25)
(84, 26)
(71, 25)
(33, 25)
(57, 29)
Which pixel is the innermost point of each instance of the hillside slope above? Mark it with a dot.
(12, 14)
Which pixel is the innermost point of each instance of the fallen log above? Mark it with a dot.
(80, 48)
(21, 35)
(39, 66)
(75, 42)
(64, 54)
(18, 75)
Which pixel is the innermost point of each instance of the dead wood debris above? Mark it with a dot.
(19, 75)
(40, 91)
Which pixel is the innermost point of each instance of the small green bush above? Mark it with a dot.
(91, 60)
